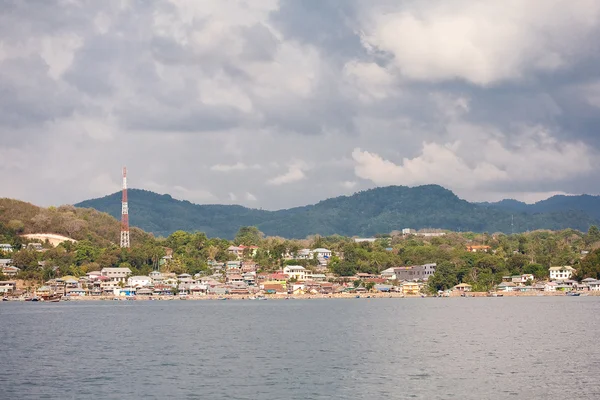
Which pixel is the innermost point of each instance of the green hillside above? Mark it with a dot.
(76, 223)
(365, 213)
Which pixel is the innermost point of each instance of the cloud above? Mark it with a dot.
(294, 173)
(481, 42)
(348, 184)
(488, 99)
(482, 162)
(239, 166)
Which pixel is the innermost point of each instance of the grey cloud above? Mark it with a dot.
(200, 86)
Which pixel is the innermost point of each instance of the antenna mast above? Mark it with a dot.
(124, 213)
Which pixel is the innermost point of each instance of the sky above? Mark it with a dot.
(279, 103)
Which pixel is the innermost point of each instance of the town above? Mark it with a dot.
(304, 273)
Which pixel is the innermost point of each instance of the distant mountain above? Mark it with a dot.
(584, 203)
(365, 213)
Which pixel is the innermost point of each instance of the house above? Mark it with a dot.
(322, 253)
(249, 278)
(297, 272)
(506, 287)
(594, 286)
(139, 281)
(10, 271)
(76, 292)
(327, 288)
(7, 287)
(155, 276)
(316, 277)
(478, 248)
(410, 288)
(361, 240)
(462, 287)
(383, 288)
(412, 273)
(561, 273)
(550, 287)
(116, 274)
(5, 247)
(521, 279)
(273, 288)
(389, 274)
(364, 276)
(93, 275)
(235, 278)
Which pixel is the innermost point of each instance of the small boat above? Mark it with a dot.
(55, 300)
(357, 296)
(34, 299)
(5, 299)
(222, 298)
(573, 294)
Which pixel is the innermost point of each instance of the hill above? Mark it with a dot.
(75, 223)
(365, 213)
(585, 203)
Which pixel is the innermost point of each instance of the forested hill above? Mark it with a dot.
(560, 203)
(80, 224)
(365, 213)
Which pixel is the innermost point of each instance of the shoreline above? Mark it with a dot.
(313, 296)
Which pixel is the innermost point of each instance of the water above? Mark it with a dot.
(457, 348)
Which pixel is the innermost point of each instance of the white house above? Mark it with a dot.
(322, 253)
(297, 272)
(550, 287)
(139, 281)
(594, 286)
(116, 274)
(561, 273)
(6, 247)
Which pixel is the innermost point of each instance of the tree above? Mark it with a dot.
(248, 236)
(445, 277)
(16, 225)
(369, 285)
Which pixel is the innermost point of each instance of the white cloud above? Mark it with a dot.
(482, 42)
(294, 173)
(232, 197)
(487, 158)
(239, 166)
(348, 184)
(250, 197)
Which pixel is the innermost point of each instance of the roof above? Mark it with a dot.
(140, 277)
(566, 267)
(122, 270)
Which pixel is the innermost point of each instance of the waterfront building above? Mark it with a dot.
(561, 273)
(116, 274)
(295, 272)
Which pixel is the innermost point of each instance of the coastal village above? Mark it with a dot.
(242, 278)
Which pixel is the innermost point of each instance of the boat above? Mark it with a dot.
(221, 298)
(5, 299)
(494, 294)
(53, 298)
(573, 294)
(34, 299)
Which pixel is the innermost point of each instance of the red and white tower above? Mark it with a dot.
(124, 213)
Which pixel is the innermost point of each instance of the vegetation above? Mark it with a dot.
(97, 234)
(363, 214)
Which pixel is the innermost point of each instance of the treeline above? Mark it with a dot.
(97, 235)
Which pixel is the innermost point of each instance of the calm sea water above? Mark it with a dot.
(458, 348)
